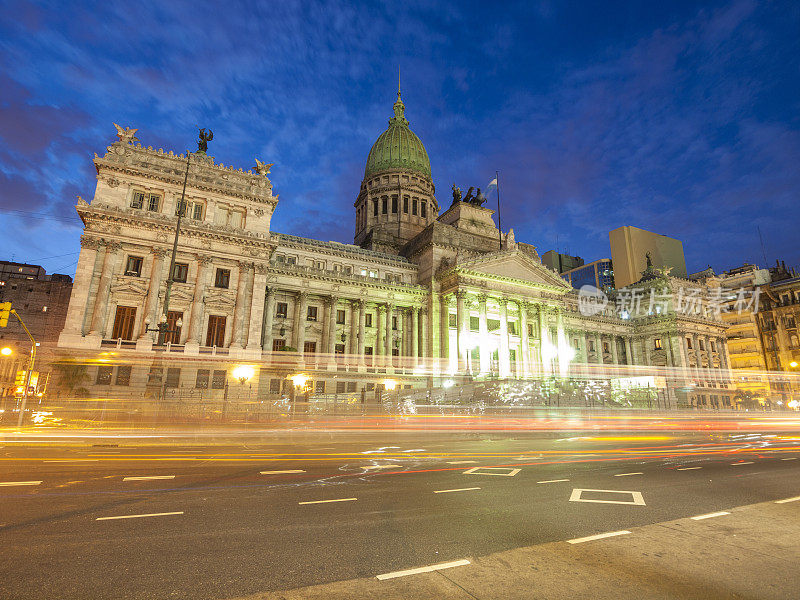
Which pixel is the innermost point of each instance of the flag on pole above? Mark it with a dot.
(491, 187)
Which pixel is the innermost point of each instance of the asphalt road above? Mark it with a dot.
(222, 521)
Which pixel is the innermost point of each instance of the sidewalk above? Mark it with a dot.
(751, 553)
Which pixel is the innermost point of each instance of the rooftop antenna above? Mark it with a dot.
(763, 252)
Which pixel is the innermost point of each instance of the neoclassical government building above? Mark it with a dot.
(426, 293)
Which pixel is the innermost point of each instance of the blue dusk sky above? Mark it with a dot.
(677, 117)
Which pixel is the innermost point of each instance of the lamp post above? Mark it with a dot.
(31, 364)
(299, 382)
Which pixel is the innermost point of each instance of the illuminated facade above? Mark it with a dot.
(423, 294)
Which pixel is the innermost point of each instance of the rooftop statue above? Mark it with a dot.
(469, 196)
(263, 168)
(126, 135)
(479, 199)
(456, 194)
(205, 137)
(649, 260)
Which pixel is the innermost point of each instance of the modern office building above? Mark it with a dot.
(630, 247)
(598, 273)
(560, 262)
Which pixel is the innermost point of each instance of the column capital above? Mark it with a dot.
(202, 259)
(381, 307)
(246, 266)
(114, 246)
(261, 269)
(357, 303)
(160, 252)
(330, 301)
(482, 298)
(460, 294)
(91, 242)
(302, 295)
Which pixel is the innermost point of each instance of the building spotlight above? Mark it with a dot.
(244, 373)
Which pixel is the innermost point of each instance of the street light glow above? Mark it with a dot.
(8, 351)
(792, 364)
(299, 380)
(390, 384)
(244, 373)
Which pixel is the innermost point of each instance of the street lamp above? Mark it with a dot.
(6, 351)
(244, 373)
(299, 382)
(162, 328)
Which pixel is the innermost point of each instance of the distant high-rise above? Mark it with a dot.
(561, 262)
(629, 248)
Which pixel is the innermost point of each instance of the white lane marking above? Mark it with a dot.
(281, 472)
(721, 513)
(599, 536)
(792, 458)
(138, 516)
(552, 480)
(68, 460)
(749, 462)
(785, 500)
(456, 490)
(440, 566)
(636, 497)
(461, 462)
(371, 467)
(510, 472)
(9, 483)
(146, 478)
(688, 468)
(626, 474)
(326, 501)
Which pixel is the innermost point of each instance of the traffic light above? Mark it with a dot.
(20, 380)
(5, 312)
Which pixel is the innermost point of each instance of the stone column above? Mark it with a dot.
(424, 331)
(628, 351)
(79, 300)
(598, 347)
(361, 333)
(544, 340)
(377, 348)
(259, 293)
(269, 316)
(710, 375)
(523, 339)
(415, 335)
(388, 344)
(299, 332)
(444, 330)
(104, 289)
(153, 288)
(483, 335)
(461, 332)
(352, 347)
(332, 304)
(614, 355)
(239, 312)
(504, 362)
(197, 308)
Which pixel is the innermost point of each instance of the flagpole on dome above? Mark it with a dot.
(499, 227)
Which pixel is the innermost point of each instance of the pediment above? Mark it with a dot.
(512, 266)
(219, 298)
(129, 285)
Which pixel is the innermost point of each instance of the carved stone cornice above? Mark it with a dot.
(261, 269)
(203, 259)
(91, 243)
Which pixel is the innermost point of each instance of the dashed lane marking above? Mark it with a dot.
(374, 467)
(456, 490)
(552, 480)
(487, 471)
(281, 472)
(721, 513)
(747, 462)
(785, 500)
(326, 501)
(461, 462)
(10, 483)
(636, 497)
(148, 477)
(164, 514)
(439, 567)
(626, 474)
(688, 468)
(599, 536)
(790, 458)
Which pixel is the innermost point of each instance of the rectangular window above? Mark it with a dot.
(351, 386)
(348, 270)
(394, 204)
(310, 347)
(689, 343)
(282, 309)
(223, 278)
(368, 320)
(375, 207)
(201, 381)
(702, 345)
(179, 272)
(291, 260)
(405, 204)
(493, 324)
(173, 335)
(384, 203)
(339, 349)
(319, 387)
(123, 375)
(216, 331)
(154, 376)
(340, 387)
(713, 346)
(657, 343)
(451, 320)
(530, 330)
(340, 316)
(512, 328)
(424, 208)
(278, 345)
(137, 200)
(368, 350)
(576, 344)
(218, 380)
(394, 323)
(196, 211)
(153, 202)
(173, 377)
(104, 375)
(275, 386)
(474, 323)
(133, 268)
(311, 314)
(591, 345)
(606, 347)
(123, 323)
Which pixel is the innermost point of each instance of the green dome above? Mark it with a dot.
(398, 148)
